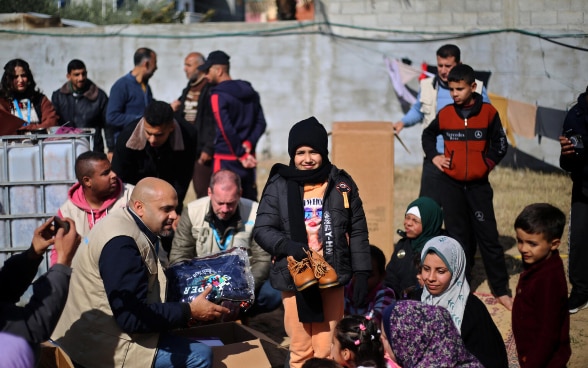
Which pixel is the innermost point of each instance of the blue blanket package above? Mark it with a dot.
(228, 272)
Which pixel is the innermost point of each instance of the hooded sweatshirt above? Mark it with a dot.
(238, 116)
(85, 217)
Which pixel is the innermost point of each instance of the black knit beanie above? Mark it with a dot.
(308, 132)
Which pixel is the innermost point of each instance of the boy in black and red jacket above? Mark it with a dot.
(474, 143)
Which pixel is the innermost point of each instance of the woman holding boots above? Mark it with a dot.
(311, 220)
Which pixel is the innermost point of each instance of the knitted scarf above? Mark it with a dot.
(308, 302)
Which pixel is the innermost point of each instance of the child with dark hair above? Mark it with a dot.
(379, 296)
(321, 363)
(474, 144)
(356, 343)
(540, 317)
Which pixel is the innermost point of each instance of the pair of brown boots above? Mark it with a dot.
(311, 270)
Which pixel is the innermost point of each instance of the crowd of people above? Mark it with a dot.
(306, 239)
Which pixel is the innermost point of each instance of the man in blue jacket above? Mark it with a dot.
(131, 94)
(239, 121)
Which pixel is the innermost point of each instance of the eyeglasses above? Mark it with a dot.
(310, 212)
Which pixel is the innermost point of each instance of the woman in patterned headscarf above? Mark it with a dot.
(416, 335)
(443, 272)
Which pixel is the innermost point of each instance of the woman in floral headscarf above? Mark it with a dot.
(416, 335)
(443, 272)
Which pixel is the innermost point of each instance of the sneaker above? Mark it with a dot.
(323, 272)
(301, 272)
(577, 302)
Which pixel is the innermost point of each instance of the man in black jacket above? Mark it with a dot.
(35, 321)
(160, 147)
(81, 104)
(574, 160)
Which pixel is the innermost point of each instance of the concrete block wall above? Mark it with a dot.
(443, 15)
(334, 73)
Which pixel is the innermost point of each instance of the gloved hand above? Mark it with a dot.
(360, 289)
(296, 250)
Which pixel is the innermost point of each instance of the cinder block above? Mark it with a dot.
(543, 17)
(478, 6)
(524, 19)
(490, 19)
(530, 5)
(453, 5)
(557, 5)
(579, 5)
(428, 6)
(461, 20)
(570, 17)
(388, 20)
(438, 19)
(355, 7)
(341, 19)
(334, 7)
(410, 19)
(365, 20)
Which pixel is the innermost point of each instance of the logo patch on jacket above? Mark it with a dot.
(343, 188)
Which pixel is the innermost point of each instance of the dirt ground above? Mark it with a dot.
(271, 324)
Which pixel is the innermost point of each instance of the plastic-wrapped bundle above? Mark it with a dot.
(228, 272)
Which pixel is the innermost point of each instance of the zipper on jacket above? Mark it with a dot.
(466, 149)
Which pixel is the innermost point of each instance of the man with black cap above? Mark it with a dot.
(239, 121)
(311, 217)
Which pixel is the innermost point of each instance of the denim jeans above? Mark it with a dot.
(177, 351)
(268, 298)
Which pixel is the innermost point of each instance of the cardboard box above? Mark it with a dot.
(366, 151)
(242, 346)
(53, 356)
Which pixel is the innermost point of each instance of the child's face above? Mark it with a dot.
(341, 356)
(412, 226)
(307, 158)
(461, 92)
(435, 274)
(534, 247)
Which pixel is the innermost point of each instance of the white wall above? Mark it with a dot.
(333, 78)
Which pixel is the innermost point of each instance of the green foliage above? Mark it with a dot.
(99, 12)
(162, 13)
(25, 6)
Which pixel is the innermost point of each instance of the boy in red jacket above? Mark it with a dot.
(540, 318)
(474, 143)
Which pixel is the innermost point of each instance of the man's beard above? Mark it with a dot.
(166, 233)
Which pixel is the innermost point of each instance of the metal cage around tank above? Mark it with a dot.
(36, 172)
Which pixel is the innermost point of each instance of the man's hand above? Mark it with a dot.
(175, 105)
(248, 161)
(42, 238)
(204, 158)
(506, 301)
(67, 244)
(567, 148)
(442, 162)
(398, 126)
(203, 310)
